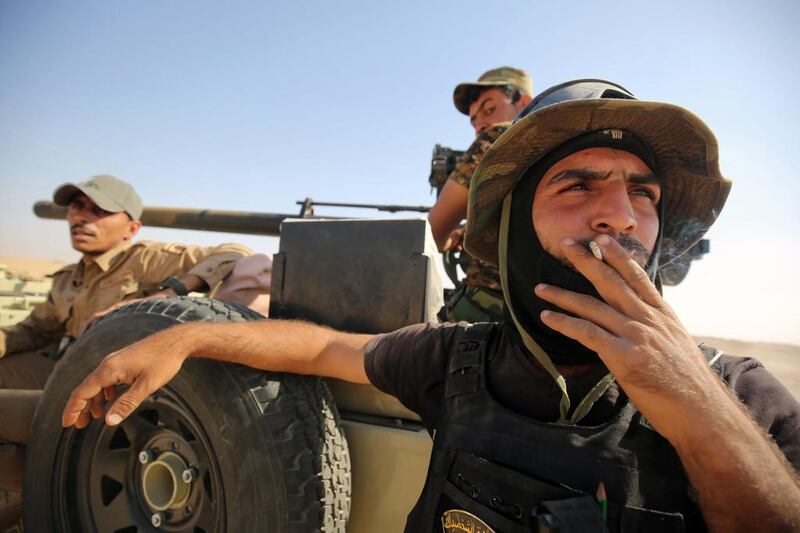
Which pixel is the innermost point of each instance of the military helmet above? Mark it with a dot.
(684, 148)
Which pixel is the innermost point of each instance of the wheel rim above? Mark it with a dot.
(156, 469)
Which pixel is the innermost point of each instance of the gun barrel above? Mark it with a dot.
(197, 219)
(391, 208)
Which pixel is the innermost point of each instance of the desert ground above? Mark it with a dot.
(33, 269)
(783, 360)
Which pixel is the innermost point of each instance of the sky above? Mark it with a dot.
(253, 106)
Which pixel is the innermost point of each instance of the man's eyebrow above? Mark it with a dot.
(577, 173)
(586, 174)
(644, 179)
(483, 104)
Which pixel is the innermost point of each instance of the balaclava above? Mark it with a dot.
(524, 263)
(529, 264)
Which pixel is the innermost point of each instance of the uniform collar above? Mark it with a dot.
(107, 259)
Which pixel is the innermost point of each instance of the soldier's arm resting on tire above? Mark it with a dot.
(274, 345)
(199, 268)
(39, 329)
(192, 283)
(743, 481)
(215, 263)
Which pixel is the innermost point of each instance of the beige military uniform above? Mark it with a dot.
(129, 271)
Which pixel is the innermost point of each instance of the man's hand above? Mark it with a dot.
(455, 240)
(727, 456)
(146, 365)
(637, 335)
(272, 345)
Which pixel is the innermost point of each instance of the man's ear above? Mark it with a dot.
(133, 229)
(523, 101)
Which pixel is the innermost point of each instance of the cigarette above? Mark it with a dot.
(596, 250)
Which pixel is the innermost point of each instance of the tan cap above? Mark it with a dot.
(685, 152)
(497, 77)
(108, 192)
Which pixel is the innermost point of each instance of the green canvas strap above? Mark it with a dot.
(589, 400)
(541, 356)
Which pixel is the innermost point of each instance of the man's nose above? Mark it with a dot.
(75, 215)
(613, 212)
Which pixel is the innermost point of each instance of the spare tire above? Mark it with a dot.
(222, 447)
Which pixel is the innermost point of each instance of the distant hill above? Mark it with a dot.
(30, 269)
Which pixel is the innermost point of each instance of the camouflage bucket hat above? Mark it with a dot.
(685, 151)
(109, 193)
(497, 77)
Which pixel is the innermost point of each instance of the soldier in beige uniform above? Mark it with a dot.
(103, 216)
(491, 104)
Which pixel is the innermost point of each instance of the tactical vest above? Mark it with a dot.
(495, 470)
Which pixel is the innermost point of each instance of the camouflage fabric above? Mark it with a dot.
(478, 273)
(462, 174)
(496, 77)
(685, 150)
(475, 304)
(482, 274)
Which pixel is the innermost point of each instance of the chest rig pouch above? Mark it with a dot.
(493, 470)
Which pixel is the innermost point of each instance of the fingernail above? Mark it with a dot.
(113, 419)
(541, 286)
(546, 314)
(602, 240)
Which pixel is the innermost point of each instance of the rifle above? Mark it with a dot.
(443, 162)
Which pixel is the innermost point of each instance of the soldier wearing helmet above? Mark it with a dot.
(491, 104)
(590, 390)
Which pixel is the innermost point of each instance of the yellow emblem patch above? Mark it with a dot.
(458, 521)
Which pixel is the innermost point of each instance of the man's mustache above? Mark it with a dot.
(629, 243)
(79, 227)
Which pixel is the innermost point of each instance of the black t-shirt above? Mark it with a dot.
(411, 364)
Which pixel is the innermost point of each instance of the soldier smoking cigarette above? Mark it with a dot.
(596, 250)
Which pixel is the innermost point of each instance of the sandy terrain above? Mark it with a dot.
(782, 360)
(30, 269)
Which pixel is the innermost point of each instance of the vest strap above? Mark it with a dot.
(465, 367)
(712, 355)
